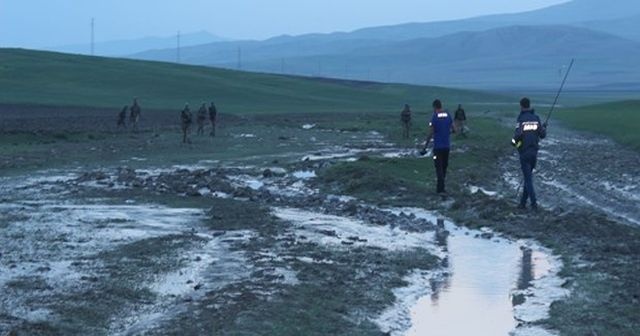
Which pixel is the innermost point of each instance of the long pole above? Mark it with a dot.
(555, 101)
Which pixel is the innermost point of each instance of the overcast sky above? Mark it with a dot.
(40, 23)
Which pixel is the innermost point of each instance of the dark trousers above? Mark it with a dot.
(528, 163)
(441, 162)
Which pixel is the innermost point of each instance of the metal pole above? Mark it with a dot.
(555, 101)
(93, 20)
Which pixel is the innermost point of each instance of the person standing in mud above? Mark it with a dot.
(213, 115)
(441, 127)
(185, 121)
(134, 117)
(201, 118)
(459, 120)
(122, 116)
(405, 118)
(526, 138)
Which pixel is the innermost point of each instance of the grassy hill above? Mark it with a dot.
(45, 78)
(617, 120)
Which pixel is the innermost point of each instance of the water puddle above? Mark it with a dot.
(492, 284)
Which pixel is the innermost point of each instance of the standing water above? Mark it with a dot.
(478, 293)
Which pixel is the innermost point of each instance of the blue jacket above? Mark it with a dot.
(441, 123)
(529, 131)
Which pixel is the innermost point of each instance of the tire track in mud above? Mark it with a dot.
(582, 170)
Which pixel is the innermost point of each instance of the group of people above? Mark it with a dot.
(529, 130)
(134, 115)
(186, 119)
(459, 121)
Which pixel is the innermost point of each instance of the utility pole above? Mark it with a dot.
(239, 58)
(178, 48)
(93, 23)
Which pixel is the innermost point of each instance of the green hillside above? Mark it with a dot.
(617, 120)
(45, 78)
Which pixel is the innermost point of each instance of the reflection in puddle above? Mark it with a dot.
(491, 285)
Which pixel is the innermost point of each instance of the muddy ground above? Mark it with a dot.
(252, 232)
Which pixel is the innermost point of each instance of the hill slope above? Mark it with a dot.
(33, 77)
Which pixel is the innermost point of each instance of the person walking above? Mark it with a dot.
(459, 120)
(122, 116)
(213, 116)
(405, 118)
(441, 127)
(201, 118)
(526, 138)
(185, 122)
(134, 117)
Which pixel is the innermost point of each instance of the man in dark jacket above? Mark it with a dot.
(201, 118)
(135, 114)
(122, 116)
(528, 133)
(459, 120)
(185, 122)
(405, 118)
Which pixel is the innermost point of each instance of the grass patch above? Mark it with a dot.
(618, 120)
(411, 181)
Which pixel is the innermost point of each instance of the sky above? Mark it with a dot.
(47, 23)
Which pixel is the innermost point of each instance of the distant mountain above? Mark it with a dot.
(577, 13)
(502, 58)
(496, 49)
(128, 47)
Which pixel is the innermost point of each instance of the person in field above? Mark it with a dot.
(134, 116)
(405, 119)
(201, 118)
(526, 138)
(460, 119)
(122, 116)
(185, 123)
(213, 116)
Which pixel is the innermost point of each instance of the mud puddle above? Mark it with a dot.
(490, 286)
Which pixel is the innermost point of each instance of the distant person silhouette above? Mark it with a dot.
(459, 120)
(405, 118)
(201, 118)
(185, 123)
(213, 118)
(122, 116)
(134, 116)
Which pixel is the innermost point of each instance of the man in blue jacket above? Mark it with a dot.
(441, 128)
(529, 131)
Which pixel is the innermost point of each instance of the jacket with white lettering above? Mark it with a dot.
(529, 131)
